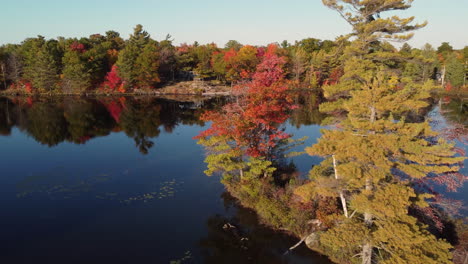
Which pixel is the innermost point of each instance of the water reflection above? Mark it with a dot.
(307, 114)
(75, 119)
(239, 238)
(97, 196)
(455, 112)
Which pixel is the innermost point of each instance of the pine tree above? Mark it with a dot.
(44, 77)
(148, 65)
(375, 155)
(138, 62)
(76, 75)
(455, 71)
(40, 67)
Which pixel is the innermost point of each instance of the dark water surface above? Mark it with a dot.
(120, 180)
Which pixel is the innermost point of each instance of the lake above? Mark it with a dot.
(121, 180)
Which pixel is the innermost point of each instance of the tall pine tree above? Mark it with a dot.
(138, 61)
(376, 153)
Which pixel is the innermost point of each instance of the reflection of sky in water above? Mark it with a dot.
(64, 187)
(106, 199)
(444, 121)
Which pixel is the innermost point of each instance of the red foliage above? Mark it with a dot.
(229, 55)
(115, 108)
(270, 70)
(441, 57)
(29, 101)
(335, 76)
(260, 52)
(28, 87)
(113, 80)
(78, 47)
(252, 122)
(184, 48)
(452, 181)
(448, 87)
(325, 208)
(271, 50)
(83, 139)
(430, 216)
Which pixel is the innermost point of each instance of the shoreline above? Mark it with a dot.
(183, 88)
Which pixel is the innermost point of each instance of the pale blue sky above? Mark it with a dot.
(248, 21)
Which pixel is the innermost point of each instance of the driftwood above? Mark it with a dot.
(295, 246)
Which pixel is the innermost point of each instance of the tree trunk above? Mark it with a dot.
(373, 114)
(3, 75)
(367, 247)
(367, 254)
(443, 77)
(342, 198)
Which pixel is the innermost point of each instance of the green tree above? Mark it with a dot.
(76, 75)
(219, 65)
(133, 66)
(147, 64)
(14, 63)
(309, 45)
(298, 63)
(3, 66)
(40, 68)
(445, 48)
(46, 123)
(233, 44)
(204, 53)
(405, 49)
(45, 76)
(455, 71)
(167, 60)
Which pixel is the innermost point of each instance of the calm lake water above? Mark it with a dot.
(120, 180)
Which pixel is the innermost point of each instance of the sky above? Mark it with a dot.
(255, 22)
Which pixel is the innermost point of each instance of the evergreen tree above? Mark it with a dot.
(76, 75)
(133, 66)
(45, 76)
(3, 75)
(148, 65)
(373, 156)
(455, 71)
(40, 67)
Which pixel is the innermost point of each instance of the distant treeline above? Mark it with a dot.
(108, 63)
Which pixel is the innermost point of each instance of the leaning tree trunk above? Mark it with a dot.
(342, 198)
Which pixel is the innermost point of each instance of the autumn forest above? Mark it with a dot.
(373, 185)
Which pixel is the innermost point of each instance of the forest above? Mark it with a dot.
(110, 64)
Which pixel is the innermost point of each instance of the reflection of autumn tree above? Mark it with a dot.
(455, 111)
(140, 121)
(114, 107)
(78, 119)
(308, 112)
(46, 123)
(86, 120)
(243, 239)
(177, 113)
(6, 116)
